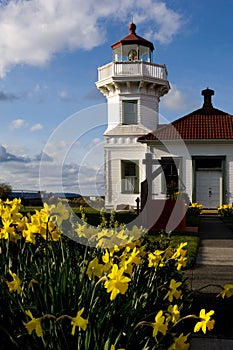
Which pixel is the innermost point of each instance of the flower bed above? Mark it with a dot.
(225, 210)
(90, 288)
(194, 209)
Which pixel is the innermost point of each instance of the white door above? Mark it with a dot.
(209, 188)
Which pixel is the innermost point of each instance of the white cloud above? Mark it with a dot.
(23, 173)
(18, 124)
(36, 127)
(6, 156)
(63, 94)
(175, 100)
(95, 142)
(65, 97)
(31, 32)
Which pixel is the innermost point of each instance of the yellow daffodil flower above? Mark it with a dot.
(8, 231)
(78, 321)
(59, 213)
(227, 291)
(94, 268)
(173, 292)
(21, 224)
(180, 343)
(155, 259)
(180, 251)
(114, 348)
(205, 321)
(159, 325)
(181, 262)
(117, 283)
(14, 285)
(33, 324)
(174, 313)
(29, 234)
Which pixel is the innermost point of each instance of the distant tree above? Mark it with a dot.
(5, 191)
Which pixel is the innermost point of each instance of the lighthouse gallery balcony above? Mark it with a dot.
(128, 69)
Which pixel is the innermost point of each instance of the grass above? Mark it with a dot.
(94, 218)
(177, 237)
(92, 215)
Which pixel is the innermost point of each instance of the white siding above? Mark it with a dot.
(123, 148)
(197, 149)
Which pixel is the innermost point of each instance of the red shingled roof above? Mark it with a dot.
(133, 38)
(206, 123)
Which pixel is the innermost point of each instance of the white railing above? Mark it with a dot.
(136, 68)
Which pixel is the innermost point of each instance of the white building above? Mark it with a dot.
(198, 151)
(192, 155)
(133, 85)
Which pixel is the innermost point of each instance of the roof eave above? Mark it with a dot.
(186, 140)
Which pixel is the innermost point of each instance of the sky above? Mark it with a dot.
(52, 115)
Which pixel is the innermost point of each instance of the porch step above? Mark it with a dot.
(209, 212)
(215, 256)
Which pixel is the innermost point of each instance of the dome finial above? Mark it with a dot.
(132, 28)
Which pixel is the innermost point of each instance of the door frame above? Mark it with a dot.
(222, 169)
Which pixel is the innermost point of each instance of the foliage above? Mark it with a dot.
(5, 191)
(194, 209)
(104, 289)
(226, 210)
(174, 239)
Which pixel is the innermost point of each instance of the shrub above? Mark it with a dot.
(5, 191)
(225, 210)
(194, 209)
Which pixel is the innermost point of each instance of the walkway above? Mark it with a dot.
(214, 266)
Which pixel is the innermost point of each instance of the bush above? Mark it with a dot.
(226, 210)
(194, 209)
(5, 191)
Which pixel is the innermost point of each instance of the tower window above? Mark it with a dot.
(130, 112)
(129, 176)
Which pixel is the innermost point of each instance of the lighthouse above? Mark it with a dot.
(132, 85)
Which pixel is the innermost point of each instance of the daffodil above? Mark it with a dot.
(14, 285)
(116, 283)
(33, 324)
(94, 268)
(59, 213)
(181, 262)
(227, 291)
(205, 321)
(114, 348)
(29, 234)
(180, 343)
(155, 259)
(8, 231)
(180, 251)
(173, 291)
(159, 325)
(174, 313)
(78, 321)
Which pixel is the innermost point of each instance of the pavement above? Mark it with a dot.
(214, 268)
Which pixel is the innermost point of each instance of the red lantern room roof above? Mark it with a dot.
(133, 38)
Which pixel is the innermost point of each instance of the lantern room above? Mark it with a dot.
(132, 48)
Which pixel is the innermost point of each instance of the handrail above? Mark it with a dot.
(135, 68)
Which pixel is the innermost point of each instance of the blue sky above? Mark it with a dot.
(50, 52)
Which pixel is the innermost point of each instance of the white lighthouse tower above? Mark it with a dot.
(133, 85)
